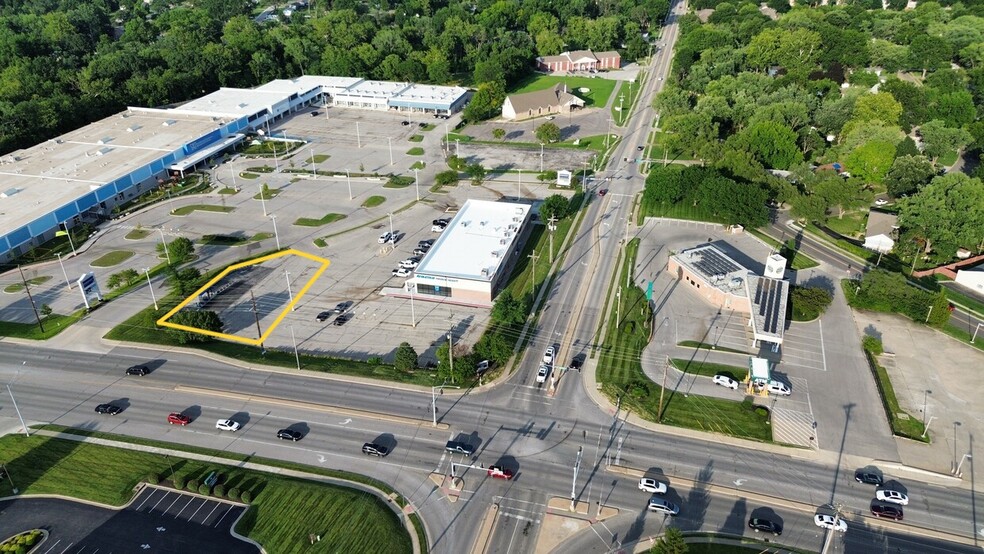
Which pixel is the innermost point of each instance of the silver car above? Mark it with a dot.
(661, 505)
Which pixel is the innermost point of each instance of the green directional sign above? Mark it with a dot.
(649, 291)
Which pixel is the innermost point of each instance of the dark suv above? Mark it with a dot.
(868, 478)
(768, 526)
(887, 511)
(140, 370)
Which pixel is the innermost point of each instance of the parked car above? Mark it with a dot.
(174, 418)
(725, 381)
(542, 373)
(322, 317)
(759, 524)
(420, 251)
(289, 434)
(140, 370)
(548, 356)
(401, 272)
(373, 449)
(394, 238)
(640, 148)
(649, 484)
(404, 123)
(314, 113)
(410, 263)
(111, 409)
(830, 522)
(341, 307)
(774, 387)
(661, 505)
(441, 221)
(438, 228)
(868, 477)
(499, 472)
(893, 496)
(341, 320)
(227, 425)
(881, 202)
(888, 511)
(427, 243)
(384, 238)
(456, 447)
(482, 366)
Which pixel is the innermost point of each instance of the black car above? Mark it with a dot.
(422, 124)
(140, 370)
(289, 434)
(768, 526)
(404, 123)
(441, 221)
(373, 449)
(323, 316)
(110, 409)
(868, 478)
(425, 243)
(575, 364)
(341, 320)
(314, 113)
(889, 511)
(341, 307)
(640, 148)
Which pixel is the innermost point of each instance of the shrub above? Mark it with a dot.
(233, 494)
(219, 490)
(204, 490)
(179, 482)
(153, 478)
(873, 345)
(192, 485)
(246, 497)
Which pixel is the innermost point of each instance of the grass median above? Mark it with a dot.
(283, 511)
(621, 375)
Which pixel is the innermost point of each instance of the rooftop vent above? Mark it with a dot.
(103, 151)
(132, 128)
(9, 192)
(105, 140)
(168, 122)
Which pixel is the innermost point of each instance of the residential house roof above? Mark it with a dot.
(881, 223)
(556, 96)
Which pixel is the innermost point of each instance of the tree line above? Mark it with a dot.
(64, 64)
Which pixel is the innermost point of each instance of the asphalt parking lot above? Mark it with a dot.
(157, 520)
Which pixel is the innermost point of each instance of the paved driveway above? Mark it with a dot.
(157, 521)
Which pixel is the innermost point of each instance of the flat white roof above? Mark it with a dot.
(305, 83)
(429, 94)
(53, 173)
(476, 242)
(374, 89)
(231, 102)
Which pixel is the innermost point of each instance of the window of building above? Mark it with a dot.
(434, 290)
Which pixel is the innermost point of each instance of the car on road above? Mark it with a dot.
(868, 477)
(289, 435)
(759, 524)
(140, 370)
(341, 307)
(830, 522)
(602, 192)
(663, 506)
(111, 409)
(649, 484)
(887, 511)
(725, 381)
(227, 425)
(893, 496)
(401, 272)
(373, 449)
(384, 238)
(499, 472)
(542, 373)
(341, 320)
(322, 317)
(640, 148)
(576, 363)
(456, 447)
(174, 418)
(548, 355)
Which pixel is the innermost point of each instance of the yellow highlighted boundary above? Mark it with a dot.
(324, 262)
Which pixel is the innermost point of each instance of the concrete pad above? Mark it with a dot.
(556, 529)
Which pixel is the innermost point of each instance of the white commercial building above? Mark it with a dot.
(472, 258)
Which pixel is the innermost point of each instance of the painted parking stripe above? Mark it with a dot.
(216, 524)
(225, 508)
(192, 516)
(147, 497)
(190, 500)
(67, 547)
(154, 507)
(209, 514)
(52, 547)
(168, 509)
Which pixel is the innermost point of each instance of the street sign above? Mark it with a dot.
(88, 286)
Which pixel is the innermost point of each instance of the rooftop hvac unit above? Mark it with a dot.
(485, 272)
(503, 242)
(516, 219)
(519, 211)
(105, 140)
(735, 283)
(495, 254)
(512, 227)
(132, 128)
(168, 122)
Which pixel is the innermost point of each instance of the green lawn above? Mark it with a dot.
(110, 259)
(851, 225)
(185, 210)
(373, 201)
(53, 324)
(630, 91)
(620, 372)
(282, 514)
(229, 240)
(318, 158)
(598, 89)
(948, 159)
(228, 190)
(707, 346)
(415, 151)
(428, 127)
(17, 287)
(248, 175)
(903, 424)
(458, 137)
(416, 138)
(799, 260)
(418, 165)
(328, 218)
(137, 234)
(709, 369)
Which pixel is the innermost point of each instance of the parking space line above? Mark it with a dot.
(192, 516)
(166, 510)
(190, 500)
(67, 547)
(216, 507)
(223, 517)
(149, 496)
(154, 507)
(52, 546)
(822, 351)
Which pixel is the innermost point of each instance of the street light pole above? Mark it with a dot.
(263, 200)
(391, 222)
(348, 175)
(413, 317)
(519, 186)
(958, 472)
(163, 241)
(577, 464)
(541, 157)
(65, 273)
(276, 235)
(313, 162)
(151, 286)
(390, 140)
(290, 295)
(416, 182)
(451, 354)
(294, 342)
(358, 136)
(27, 432)
(618, 308)
(926, 394)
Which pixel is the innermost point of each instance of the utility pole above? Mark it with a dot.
(534, 257)
(577, 464)
(27, 432)
(618, 306)
(451, 352)
(662, 389)
(31, 298)
(348, 175)
(256, 314)
(552, 222)
(67, 282)
(294, 342)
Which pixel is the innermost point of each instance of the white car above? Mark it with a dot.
(895, 497)
(438, 228)
(651, 485)
(410, 263)
(542, 374)
(726, 381)
(383, 238)
(401, 272)
(548, 356)
(881, 202)
(830, 522)
(227, 425)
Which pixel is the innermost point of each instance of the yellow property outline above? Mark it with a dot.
(255, 342)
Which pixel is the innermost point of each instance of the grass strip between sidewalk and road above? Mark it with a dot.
(282, 513)
(708, 369)
(903, 424)
(621, 375)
